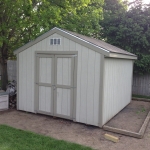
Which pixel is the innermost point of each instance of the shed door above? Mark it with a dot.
(55, 74)
(63, 94)
(45, 81)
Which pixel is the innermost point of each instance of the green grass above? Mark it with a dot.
(141, 96)
(15, 139)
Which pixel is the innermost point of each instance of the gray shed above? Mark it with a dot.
(68, 75)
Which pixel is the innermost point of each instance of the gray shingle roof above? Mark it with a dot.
(101, 44)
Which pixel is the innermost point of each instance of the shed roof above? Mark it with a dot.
(95, 44)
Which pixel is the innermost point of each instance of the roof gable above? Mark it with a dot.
(94, 44)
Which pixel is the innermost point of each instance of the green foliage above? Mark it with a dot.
(142, 110)
(79, 16)
(18, 24)
(14, 139)
(129, 30)
(22, 21)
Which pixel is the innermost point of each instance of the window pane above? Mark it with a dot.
(55, 42)
(51, 41)
(58, 41)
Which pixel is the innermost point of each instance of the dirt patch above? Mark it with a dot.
(76, 132)
(132, 117)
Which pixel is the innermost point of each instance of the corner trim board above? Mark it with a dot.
(101, 90)
(17, 81)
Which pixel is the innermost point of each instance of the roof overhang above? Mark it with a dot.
(123, 56)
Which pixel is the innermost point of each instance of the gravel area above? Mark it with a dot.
(130, 117)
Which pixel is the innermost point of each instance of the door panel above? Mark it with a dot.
(45, 98)
(45, 82)
(63, 101)
(64, 71)
(63, 97)
(45, 67)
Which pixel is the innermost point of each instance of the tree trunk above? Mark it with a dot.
(4, 77)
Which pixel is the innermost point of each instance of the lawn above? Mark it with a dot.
(15, 139)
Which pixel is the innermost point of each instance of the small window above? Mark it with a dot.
(55, 41)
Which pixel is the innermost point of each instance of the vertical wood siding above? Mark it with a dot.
(88, 78)
(117, 86)
(141, 85)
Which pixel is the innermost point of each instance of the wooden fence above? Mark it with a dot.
(12, 70)
(141, 85)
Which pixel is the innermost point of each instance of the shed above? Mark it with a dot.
(68, 75)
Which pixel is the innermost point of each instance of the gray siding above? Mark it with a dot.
(88, 78)
(141, 85)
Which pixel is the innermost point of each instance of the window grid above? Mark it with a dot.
(55, 41)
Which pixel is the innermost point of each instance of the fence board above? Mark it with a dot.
(141, 85)
(12, 70)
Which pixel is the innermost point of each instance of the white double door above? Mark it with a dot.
(54, 85)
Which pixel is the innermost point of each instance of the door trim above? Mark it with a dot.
(74, 90)
(56, 52)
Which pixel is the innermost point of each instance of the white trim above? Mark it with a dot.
(116, 55)
(63, 33)
(83, 40)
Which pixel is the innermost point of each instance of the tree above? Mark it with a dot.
(129, 29)
(13, 16)
(81, 16)
(22, 21)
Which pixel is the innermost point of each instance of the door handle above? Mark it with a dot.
(54, 87)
